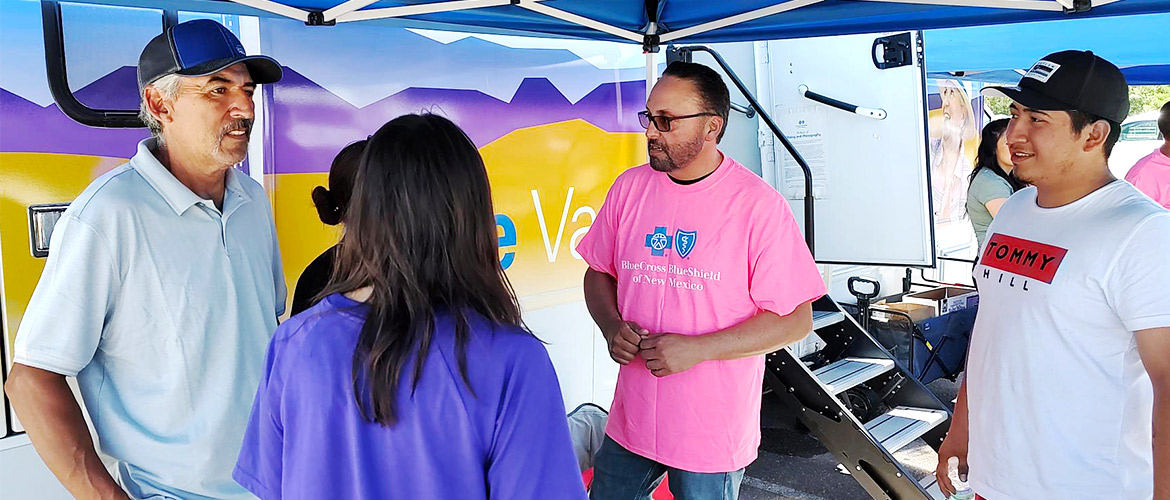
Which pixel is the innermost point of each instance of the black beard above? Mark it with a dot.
(676, 157)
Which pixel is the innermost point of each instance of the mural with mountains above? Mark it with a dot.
(315, 124)
(311, 123)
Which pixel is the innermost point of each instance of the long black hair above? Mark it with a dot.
(987, 158)
(421, 233)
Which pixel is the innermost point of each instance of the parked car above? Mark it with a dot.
(1139, 137)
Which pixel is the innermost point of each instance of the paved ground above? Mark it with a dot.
(795, 466)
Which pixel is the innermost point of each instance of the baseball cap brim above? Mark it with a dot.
(1027, 98)
(263, 69)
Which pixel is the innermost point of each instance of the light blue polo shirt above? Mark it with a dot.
(162, 306)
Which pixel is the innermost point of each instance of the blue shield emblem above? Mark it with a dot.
(684, 242)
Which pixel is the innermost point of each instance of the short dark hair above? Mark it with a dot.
(331, 203)
(1081, 119)
(1164, 121)
(712, 91)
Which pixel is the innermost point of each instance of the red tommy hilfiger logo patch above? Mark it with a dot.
(1026, 258)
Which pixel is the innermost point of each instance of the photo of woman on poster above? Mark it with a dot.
(950, 127)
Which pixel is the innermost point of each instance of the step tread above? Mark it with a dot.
(902, 425)
(847, 373)
(930, 484)
(822, 319)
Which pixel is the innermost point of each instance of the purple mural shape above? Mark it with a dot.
(26, 127)
(119, 90)
(310, 124)
(315, 124)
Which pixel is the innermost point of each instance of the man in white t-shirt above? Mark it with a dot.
(1068, 378)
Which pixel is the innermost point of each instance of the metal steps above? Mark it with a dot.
(902, 425)
(849, 372)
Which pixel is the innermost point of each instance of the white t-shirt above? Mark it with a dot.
(1060, 403)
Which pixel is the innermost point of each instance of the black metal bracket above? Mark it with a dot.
(897, 51)
(650, 44)
(1079, 6)
(317, 18)
(57, 72)
(674, 53)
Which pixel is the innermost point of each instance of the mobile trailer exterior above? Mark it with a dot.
(555, 121)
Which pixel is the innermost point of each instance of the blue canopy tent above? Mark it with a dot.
(1001, 53)
(654, 22)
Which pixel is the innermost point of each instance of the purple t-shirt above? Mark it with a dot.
(307, 439)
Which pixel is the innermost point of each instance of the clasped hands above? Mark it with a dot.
(664, 353)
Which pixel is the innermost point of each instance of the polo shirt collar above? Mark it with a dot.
(177, 195)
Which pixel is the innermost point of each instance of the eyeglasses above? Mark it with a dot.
(662, 122)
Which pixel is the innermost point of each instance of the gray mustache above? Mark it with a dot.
(242, 124)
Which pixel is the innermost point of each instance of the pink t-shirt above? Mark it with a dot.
(695, 259)
(1151, 175)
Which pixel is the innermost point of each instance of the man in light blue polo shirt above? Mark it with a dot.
(162, 288)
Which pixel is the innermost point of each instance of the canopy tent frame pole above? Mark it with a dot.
(333, 13)
(736, 19)
(1041, 5)
(414, 10)
(277, 8)
(535, 6)
(351, 11)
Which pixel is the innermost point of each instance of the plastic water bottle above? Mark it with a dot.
(962, 489)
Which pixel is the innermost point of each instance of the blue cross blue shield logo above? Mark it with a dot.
(684, 242)
(658, 242)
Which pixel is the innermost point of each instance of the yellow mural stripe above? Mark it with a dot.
(548, 180)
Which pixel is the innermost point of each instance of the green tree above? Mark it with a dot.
(1142, 98)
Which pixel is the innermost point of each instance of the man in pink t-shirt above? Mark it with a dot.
(1151, 175)
(696, 270)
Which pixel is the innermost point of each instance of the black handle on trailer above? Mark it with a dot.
(828, 101)
(875, 113)
(683, 53)
(863, 298)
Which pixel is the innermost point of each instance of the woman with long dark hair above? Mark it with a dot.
(330, 203)
(416, 379)
(991, 180)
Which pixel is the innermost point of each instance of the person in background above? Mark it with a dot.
(331, 204)
(1151, 175)
(991, 181)
(415, 378)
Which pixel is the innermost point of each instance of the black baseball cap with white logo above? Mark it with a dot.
(200, 48)
(1072, 80)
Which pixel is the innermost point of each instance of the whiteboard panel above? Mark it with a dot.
(870, 176)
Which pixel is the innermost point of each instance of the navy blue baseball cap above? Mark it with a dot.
(200, 48)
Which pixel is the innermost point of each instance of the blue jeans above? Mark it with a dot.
(619, 474)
